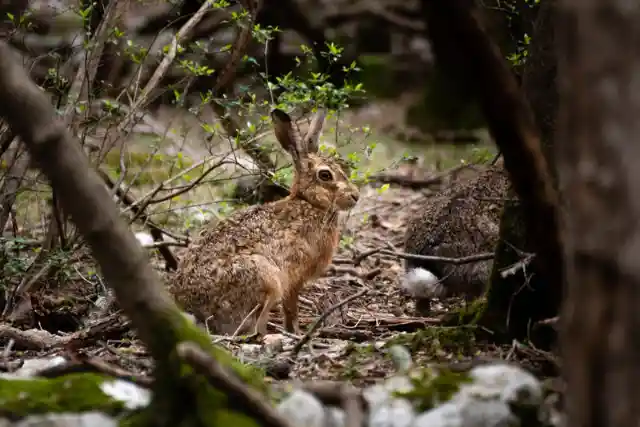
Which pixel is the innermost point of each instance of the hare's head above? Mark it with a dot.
(320, 179)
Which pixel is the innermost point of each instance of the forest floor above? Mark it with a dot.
(351, 344)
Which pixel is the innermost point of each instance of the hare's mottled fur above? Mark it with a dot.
(461, 221)
(265, 254)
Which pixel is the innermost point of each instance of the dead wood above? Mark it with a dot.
(38, 339)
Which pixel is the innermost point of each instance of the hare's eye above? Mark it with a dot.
(324, 175)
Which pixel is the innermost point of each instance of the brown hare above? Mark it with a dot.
(461, 221)
(238, 270)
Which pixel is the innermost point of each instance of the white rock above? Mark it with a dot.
(250, 351)
(303, 409)
(381, 394)
(398, 383)
(487, 401)
(88, 419)
(335, 417)
(508, 383)
(32, 366)
(394, 413)
(132, 395)
(468, 412)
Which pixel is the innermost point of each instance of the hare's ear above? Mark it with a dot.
(288, 135)
(312, 138)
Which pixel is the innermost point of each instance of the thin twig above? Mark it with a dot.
(415, 257)
(456, 261)
(171, 54)
(165, 244)
(305, 339)
(237, 392)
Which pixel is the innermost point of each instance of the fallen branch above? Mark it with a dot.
(238, 394)
(456, 261)
(415, 257)
(417, 183)
(38, 339)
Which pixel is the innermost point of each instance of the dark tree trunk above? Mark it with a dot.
(598, 154)
(462, 45)
(517, 301)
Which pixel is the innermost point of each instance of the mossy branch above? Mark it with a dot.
(83, 195)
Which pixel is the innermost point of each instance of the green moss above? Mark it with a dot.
(202, 404)
(467, 314)
(458, 340)
(69, 393)
(431, 388)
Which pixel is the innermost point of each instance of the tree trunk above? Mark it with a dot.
(462, 45)
(598, 154)
(516, 302)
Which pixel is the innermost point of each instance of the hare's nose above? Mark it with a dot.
(355, 197)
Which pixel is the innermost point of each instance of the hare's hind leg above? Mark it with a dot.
(261, 324)
(270, 284)
(290, 311)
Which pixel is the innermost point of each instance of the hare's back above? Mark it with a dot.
(461, 220)
(244, 232)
